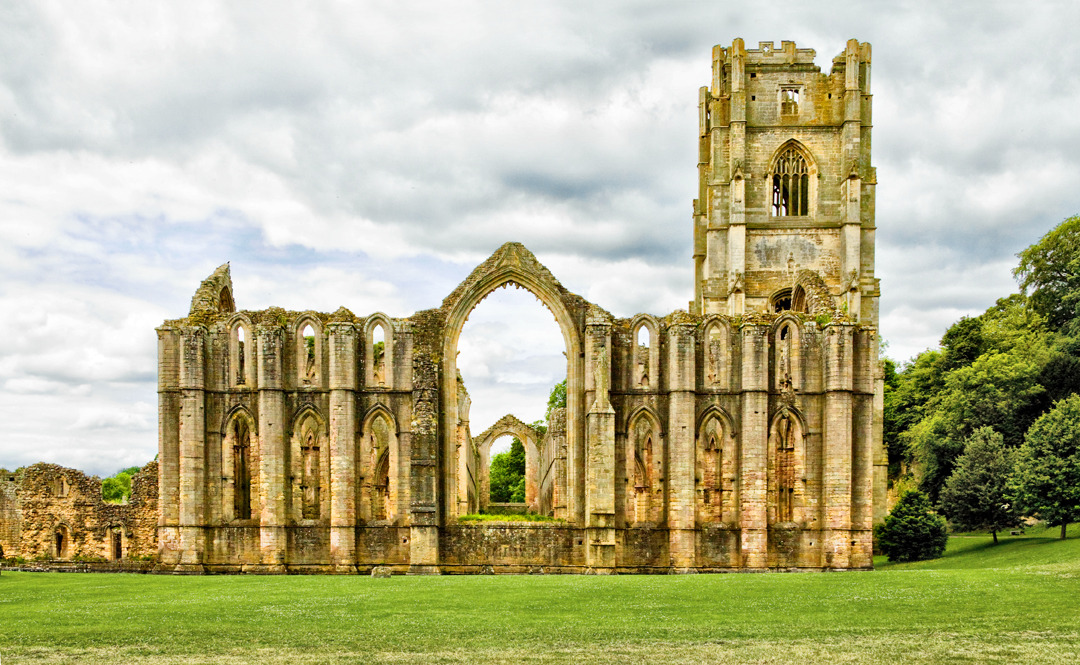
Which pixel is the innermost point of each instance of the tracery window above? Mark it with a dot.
(790, 185)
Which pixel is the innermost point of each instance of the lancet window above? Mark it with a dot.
(790, 185)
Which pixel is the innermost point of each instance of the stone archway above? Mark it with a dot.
(509, 425)
(513, 264)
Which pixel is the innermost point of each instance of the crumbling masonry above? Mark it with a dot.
(744, 434)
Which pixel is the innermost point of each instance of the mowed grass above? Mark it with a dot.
(1017, 602)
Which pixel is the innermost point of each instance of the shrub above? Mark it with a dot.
(912, 532)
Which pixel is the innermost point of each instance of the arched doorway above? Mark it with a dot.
(512, 264)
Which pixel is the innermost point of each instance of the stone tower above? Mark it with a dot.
(786, 187)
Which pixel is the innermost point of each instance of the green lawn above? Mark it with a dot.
(1018, 602)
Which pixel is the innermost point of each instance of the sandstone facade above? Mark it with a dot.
(744, 434)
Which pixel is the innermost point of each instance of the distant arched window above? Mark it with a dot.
(379, 353)
(645, 354)
(309, 344)
(790, 185)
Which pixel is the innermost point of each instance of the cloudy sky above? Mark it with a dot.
(369, 154)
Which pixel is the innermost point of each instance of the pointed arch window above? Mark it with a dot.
(790, 185)
(644, 472)
(308, 356)
(309, 466)
(242, 355)
(645, 355)
(241, 458)
(379, 353)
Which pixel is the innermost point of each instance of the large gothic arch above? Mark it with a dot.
(514, 264)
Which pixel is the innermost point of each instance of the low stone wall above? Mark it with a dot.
(511, 547)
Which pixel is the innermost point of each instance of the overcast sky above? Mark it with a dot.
(370, 154)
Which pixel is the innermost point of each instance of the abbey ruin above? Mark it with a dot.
(743, 434)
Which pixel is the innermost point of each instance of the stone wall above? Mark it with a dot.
(51, 512)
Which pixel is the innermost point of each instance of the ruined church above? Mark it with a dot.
(742, 434)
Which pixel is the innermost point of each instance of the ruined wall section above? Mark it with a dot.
(61, 516)
(283, 434)
(10, 513)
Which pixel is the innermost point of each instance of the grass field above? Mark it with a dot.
(1017, 602)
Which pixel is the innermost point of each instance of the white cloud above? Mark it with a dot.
(370, 155)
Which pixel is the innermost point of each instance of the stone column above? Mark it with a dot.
(753, 461)
(680, 439)
(192, 448)
(837, 444)
(423, 468)
(170, 398)
(343, 426)
(600, 453)
(864, 429)
(272, 452)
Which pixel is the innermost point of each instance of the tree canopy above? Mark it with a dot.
(117, 488)
(912, 532)
(1046, 481)
(975, 496)
(1050, 271)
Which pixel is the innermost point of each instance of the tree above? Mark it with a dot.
(975, 496)
(117, 488)
(912, 532)
(507, 474)
(1050, 269)
(1046, 482)
(557, 397)
(962, 342)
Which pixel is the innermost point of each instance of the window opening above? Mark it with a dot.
(309, 346)
(241, 470)
(64, 487)
(117, 544)
(643, 356)
(782, 301)
(789, 101)
(785, 469)
(378, 355)
(791, 185)
(225, 301)
(309, 482)
(240, 360)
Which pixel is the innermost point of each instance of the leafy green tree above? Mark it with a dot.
(557, 397)
(975, 496)
(912, 531)
(963, 343)
(117, 488)
(1050, 271)
(1046, 482)
(507, 473)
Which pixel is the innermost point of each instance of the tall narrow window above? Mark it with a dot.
(241, 377)
(643, 357)
(378, 355)
(785, 469)
(308, 374)
(241, 469)
(790, 185)
(309, 483)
